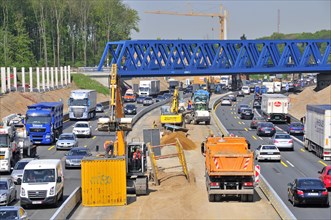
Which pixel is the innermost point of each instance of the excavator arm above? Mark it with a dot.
(174, 105)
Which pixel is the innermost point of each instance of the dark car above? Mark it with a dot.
(233, 98)
(246, 113)
(265, 128)
(167, 95)
(295, 128)
(188, 89)
(160, 98)
(75, 155)
(130, 109)
(141, 99)
(308, 191)
(256, 120)
(252, 89)
(256, 104)
(241, 94)
(241, 107)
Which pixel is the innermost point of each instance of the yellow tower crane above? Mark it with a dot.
(222, 18)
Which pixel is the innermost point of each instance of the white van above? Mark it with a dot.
(42, 183)
(245, 90)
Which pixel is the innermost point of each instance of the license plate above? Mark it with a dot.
(267, 132)
(312, 194)
(37, 202)
(270, 153)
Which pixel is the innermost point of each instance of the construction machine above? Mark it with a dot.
(171, 114)
(136, 170)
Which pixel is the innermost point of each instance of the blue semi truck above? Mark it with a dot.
(44, 122)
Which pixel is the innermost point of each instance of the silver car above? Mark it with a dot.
(148, 101)
(7, 191)
(66, 141)
(17, 172)
(13, 212)
(283, 141)
(267, 152)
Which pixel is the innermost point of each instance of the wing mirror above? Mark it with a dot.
(289, 184)
(59, 179)
(319, 171)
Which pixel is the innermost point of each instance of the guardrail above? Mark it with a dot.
(75, 197)
(283, 211)
(69, 204)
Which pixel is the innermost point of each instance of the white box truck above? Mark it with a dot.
(277, 87)
(82, 104)
(274, 107)
(149, 87)
(317, 136)
(269, 86)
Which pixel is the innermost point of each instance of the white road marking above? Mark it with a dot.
(261, 138)
(290, 163)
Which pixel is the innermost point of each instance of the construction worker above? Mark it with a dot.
(154, 124)
(109, 148)
(189, 106)
(136, 159)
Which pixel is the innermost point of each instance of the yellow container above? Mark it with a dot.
(103, 181)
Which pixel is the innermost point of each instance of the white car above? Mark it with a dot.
(267, 152)
(283, 141)
(82, 128)
(226, 101)
(245, 90)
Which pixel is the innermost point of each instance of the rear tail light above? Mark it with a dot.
(290, 141)
(300, 192)
(275, 141)
(291, 129)
(326, 153)
(325, 193)
(248, 183)
(214, 184)
(273, 129)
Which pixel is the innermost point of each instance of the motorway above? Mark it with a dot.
(298, 163)
(72, 176)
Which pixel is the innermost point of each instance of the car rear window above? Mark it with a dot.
(267, 125)
(283, 136)
(310, 183)
(296, 125)
(269, 147)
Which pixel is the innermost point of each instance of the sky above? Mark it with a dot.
(255, 19)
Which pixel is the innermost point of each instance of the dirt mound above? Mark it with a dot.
(187, 143)
(299, 101)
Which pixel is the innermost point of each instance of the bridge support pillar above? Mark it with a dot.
(3, 80)
(323, 81)
(43, 78)
(23, 79)
(65, 76)
(15, 78)
(56, 78)
(47, 78)
(52, 78)
(61, 76)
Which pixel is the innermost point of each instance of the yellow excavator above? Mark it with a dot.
(136, 174)
(171, 114)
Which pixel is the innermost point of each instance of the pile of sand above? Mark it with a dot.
(299, 101)
(170, 138)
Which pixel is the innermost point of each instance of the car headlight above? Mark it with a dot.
(47, 136)
(67, 161)
(52, 191)
(4, 195)
(22, 192)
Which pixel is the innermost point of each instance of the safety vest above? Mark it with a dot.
(135, 156)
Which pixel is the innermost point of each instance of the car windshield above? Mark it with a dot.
(3, 185)
(39, 175)
(160, 97)
(99, 105)
(269, 147)
(20, 165)
(38, 119)
(282, 136)
(81, 125)
(244, 106)
(148, 99)
(77, 152)
(310, 183)
(267, 125)
(66, 137)
(130, 106)
(8, 214)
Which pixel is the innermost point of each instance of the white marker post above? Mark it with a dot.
(3, 80)
(15, 78)
(8, 79)
(65, 76)
(52, 77)
(56, 78)
(23, 79)
(38, 80)
(31, 80)
(61, 76)
(43, 77)
(69, 75)
(47, 77)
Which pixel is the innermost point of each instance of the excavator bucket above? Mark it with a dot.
(125, 124)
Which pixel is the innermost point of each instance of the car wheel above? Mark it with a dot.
(211, 198)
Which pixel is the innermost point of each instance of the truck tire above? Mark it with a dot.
(211, 198)
(250, 198)
(243, 198)
(207, 122)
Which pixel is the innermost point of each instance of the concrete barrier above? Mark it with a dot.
(278, 204)
(69, 204)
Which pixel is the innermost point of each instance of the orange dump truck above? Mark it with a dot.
(229, 168)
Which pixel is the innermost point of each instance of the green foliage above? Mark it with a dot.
(323, 34)
(85, 82)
